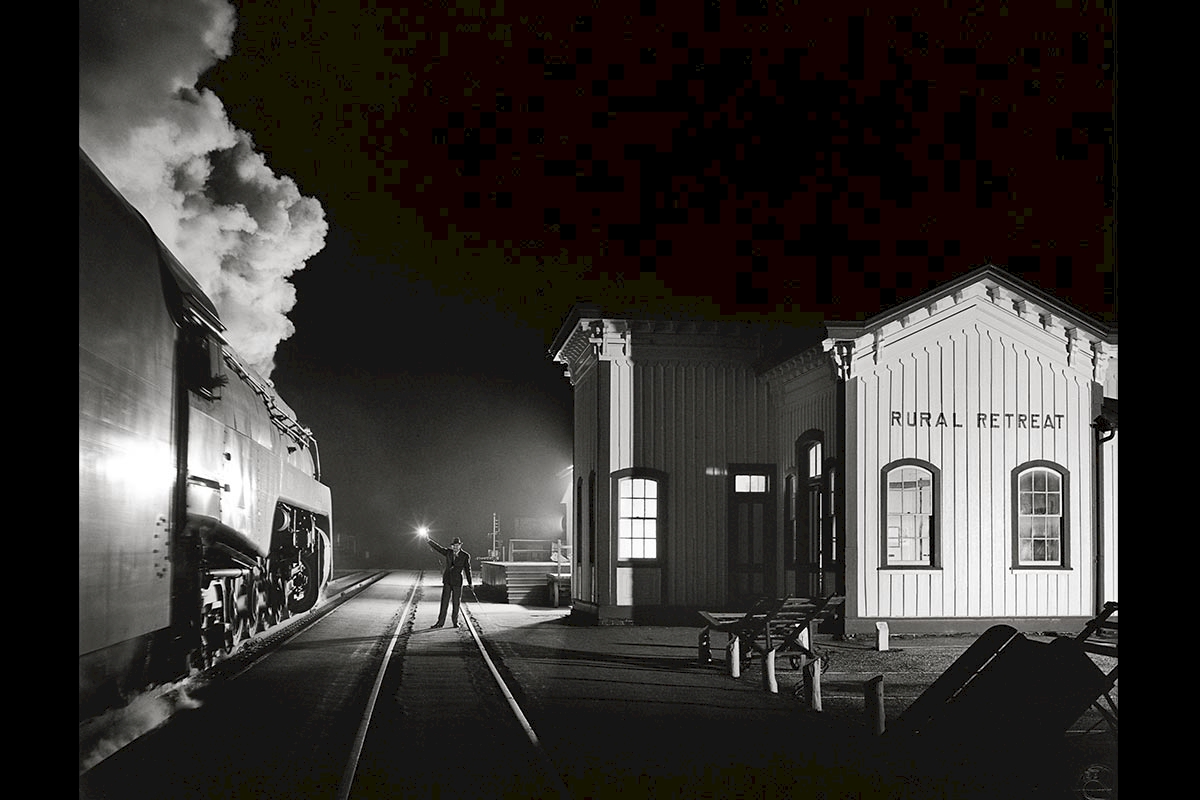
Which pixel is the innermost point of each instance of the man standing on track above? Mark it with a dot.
(458, 563)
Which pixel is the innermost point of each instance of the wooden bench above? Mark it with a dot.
(795, 624)
(743, 630)
(1099, 636)
(1007, 688)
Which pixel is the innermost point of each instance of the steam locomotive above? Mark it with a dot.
(202, 516)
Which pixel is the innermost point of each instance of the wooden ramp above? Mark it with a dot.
(521, 582)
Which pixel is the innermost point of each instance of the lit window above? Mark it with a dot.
(909, 513)
(814, 459)
(1040, 496)
(749, 483)
(637, 518)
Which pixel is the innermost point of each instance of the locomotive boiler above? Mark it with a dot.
(202, 516)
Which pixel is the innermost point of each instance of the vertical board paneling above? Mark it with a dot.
(693, 417)
(866, 494)
(1110, 518)
(966, 479)
(969, 370)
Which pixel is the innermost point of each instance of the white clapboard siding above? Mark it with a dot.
(981, 363)
(1110, 518)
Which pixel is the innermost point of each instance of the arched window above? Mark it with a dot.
(909, 498)
(592, 517)
(1040, 519)
(790, 522)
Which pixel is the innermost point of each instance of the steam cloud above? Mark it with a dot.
(169, 147)
(118, 727)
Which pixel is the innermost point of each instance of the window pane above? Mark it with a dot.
(741, 483)
(1039, 480)
(651, 549)
(637, 509)
(1026, 550)
(1025, 503)
(1025, 481)
(1053, 481)
(1052, 550)
(1039, 503)
(1054, 504)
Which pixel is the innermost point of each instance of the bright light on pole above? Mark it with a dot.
(422, 531)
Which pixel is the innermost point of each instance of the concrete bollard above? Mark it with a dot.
(881, 636)
(733, 653)
(769, 682)
(873, 701)
(812, 684)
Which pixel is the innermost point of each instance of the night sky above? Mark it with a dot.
(394, 205)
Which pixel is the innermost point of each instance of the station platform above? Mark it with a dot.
(628, 711)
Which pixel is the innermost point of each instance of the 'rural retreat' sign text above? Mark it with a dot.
(927, 419)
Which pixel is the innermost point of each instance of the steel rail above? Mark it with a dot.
(359, 738)
(551, 769)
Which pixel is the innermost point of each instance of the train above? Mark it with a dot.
(203, 518)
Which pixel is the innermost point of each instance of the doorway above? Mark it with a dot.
(751, 540)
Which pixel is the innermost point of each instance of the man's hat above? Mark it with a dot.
(456, 540)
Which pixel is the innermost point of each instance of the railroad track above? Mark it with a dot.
(362, 700)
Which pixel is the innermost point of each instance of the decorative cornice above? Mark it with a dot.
(841, 358)
(1101, 354)
(802, 363)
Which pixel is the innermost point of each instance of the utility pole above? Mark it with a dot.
(495, 554)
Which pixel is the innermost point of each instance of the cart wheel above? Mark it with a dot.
(1097, 782)
(825, 658)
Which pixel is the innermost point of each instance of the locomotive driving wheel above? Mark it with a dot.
(244, 622)
(264, 615)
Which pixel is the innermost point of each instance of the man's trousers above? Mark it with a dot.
(450, 591)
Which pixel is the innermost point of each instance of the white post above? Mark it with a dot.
(733, 652)
(881, 636)
(873, 700)
(769, 682)
(812, 684)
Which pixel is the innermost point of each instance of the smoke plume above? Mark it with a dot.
(169, 147)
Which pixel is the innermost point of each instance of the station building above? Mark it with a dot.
(946, 465)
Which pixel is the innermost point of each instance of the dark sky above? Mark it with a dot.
(480, 166)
